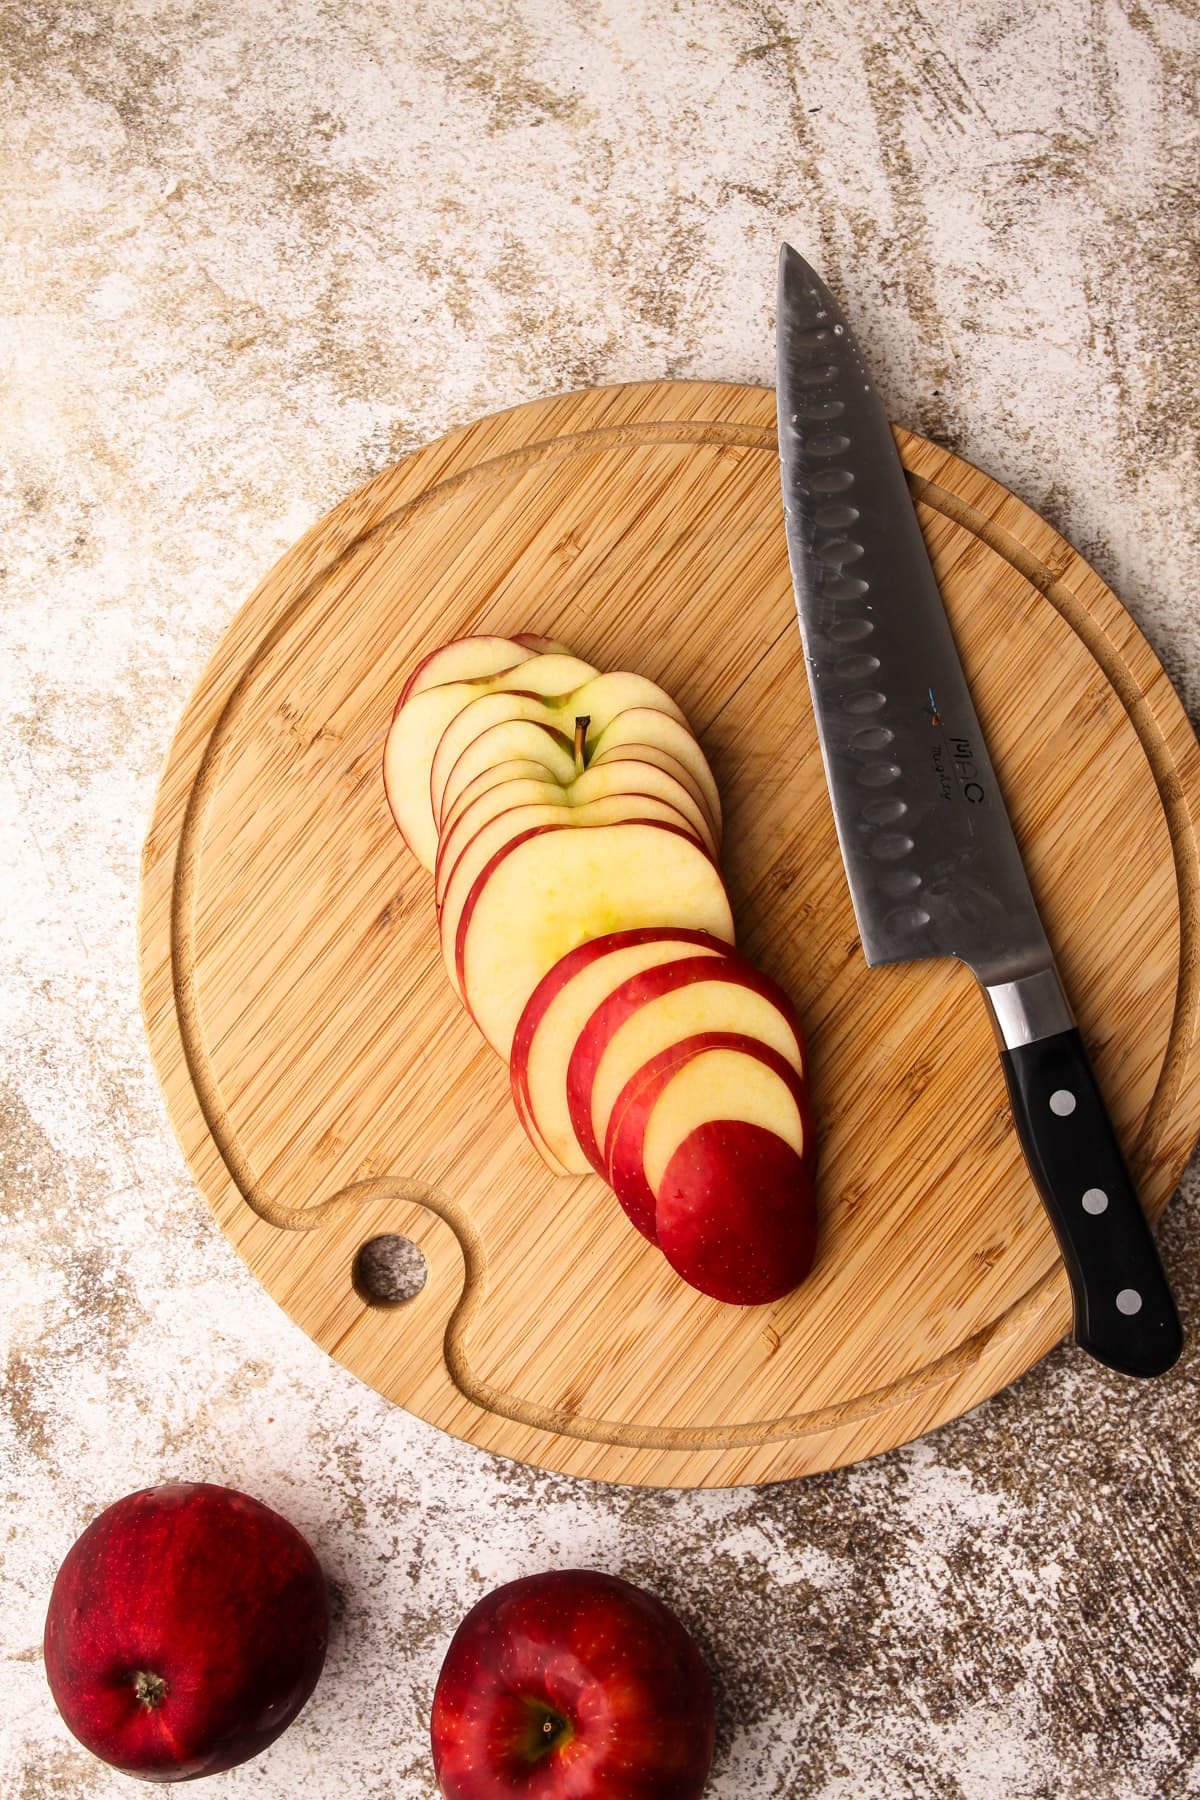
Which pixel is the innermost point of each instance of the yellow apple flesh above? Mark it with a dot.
(547, 893)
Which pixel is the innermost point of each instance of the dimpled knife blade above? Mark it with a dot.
(931, 859)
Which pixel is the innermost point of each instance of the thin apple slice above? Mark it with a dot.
(662, 759)
(598, 702)
(513, 768)
(472, 857)
(616, 781)
(465, 659)
(716, 1075)
(736, 1213)
(647, 725)
(512, 741)
(555, 1014)
(547, 892)
(417, 728)
(660, 1007)
(467, 782)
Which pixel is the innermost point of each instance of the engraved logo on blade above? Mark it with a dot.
(962, 761)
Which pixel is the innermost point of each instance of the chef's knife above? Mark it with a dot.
(932, 862)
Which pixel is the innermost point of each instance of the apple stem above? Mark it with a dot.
(151, 1690)
(583, 720)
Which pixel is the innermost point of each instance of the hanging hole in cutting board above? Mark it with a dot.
(388, 1270)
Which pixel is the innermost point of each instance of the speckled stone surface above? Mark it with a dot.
(254, 250)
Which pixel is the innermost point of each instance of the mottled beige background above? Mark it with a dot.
(254, 250)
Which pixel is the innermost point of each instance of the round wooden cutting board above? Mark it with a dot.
(328, 1088)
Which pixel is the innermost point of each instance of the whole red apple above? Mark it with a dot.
(186, 1629)
(572, 1685)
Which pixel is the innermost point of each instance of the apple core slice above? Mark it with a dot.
(658, 1008)
(581, 800)
(716, 1075)
(549, 891)
(736, 1214)
(598, 701)
(557, 1011)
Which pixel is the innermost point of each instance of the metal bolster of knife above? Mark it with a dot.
(1028, 1009)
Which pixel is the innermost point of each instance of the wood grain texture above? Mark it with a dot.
(327, 1087)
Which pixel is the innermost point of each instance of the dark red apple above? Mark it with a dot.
(573, 1685)
(186, 1629)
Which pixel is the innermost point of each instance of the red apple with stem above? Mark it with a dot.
(572, 1685)
(186, 1629)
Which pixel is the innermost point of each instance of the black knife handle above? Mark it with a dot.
(1124, 1313)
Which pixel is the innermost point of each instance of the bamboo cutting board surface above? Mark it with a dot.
(328, 1088)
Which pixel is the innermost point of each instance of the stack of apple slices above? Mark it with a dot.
(572, 826)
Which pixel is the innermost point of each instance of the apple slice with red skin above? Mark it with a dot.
(513, 768)
(660, 1007)
(572, 1685)
(736, 1213)
(715, 1075)
(186, 1628)
(552, 889)
(596, 703)
(587, 793)
(665, 760)
(417, 730)
(513, 740)
(556, 1012)
(465, 659)
(645, 724)
(472, 857)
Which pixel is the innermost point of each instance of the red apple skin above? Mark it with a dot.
(206, 1590)
(608, 1667)
(663, 978)
(631, 1114)
(736, 1214)
(569, 965)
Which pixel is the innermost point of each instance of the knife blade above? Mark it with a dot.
(933, 865)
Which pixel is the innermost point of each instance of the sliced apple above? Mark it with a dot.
(542, 760)
(465, 659)
(557, 1011)
(513, 768)
(597, 702)
(471, 858)
(658, 1008)
(736, 1213)
(616, 781)
(512, 741)
(647, 725)
(665, 760)
(715, 1075)
(417, 729)
(549, 891)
